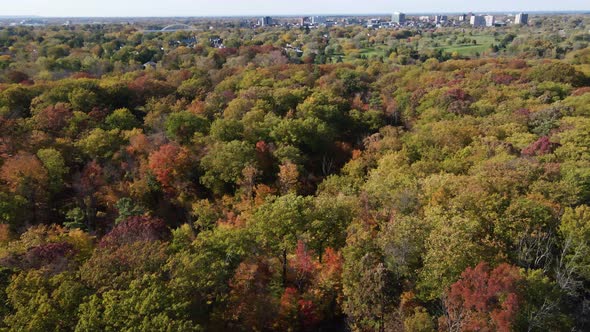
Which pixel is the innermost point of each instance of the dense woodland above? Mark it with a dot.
(251, 188)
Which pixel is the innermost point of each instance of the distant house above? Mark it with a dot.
(374, 23)
(216, 42)
(149, 64)
(189, 42)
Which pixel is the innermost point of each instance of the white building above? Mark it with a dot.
(521, 19)
(490, 20)
(399, 18)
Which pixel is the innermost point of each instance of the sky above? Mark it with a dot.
(122, 8)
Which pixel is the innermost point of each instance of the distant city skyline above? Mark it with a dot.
(159, 8)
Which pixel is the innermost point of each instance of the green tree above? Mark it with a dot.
(147, 305)
(280, 222)
(227, 130)
(330, 219)
(56, 168)
(224, 163)
(100, 144)
(127, 208)
(181, 126)
(575, 263)
(368, 286)
(121, 119)
(44, 303)
(200, 273)
(451, 247)
(195, 88)
(83, 99)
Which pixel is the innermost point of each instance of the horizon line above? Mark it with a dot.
(8, 16)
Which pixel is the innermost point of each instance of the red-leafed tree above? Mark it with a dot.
(88, 185)
(251, 305)
(53, 256)
(134, 229)
(170, 165)
(145, 87)
(23, 172)
(303, 265)
(316, 295)
(540, 147)
(483, 299)
(297, 312)
(53, 118)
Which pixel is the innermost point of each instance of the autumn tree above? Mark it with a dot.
(483, 299)
(224, 163)
(121, 119)
(171, 165)
(25, 176)
(55, 165)
(182, 126)
(279, 223)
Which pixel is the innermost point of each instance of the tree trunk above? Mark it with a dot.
(284, 267)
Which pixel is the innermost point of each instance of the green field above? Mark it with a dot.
(483, 43)
(467, 49)
(365, 52)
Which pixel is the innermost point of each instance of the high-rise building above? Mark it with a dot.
(478, 21)
(439, 19)
(399, 18)
(522, 19)
(462, 18)
(318, 20)
(266, 21)
(490, 20)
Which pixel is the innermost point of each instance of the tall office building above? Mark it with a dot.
(398, 18)
(439, 19)
(490, 20)
(265, 21)
(478, 21)
(318, 20)
(522, 19)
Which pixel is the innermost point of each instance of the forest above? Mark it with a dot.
(331, 179)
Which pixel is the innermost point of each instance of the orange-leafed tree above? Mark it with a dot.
(170, 165)
(25, 176)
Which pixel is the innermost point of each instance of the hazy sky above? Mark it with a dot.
(271, 7)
